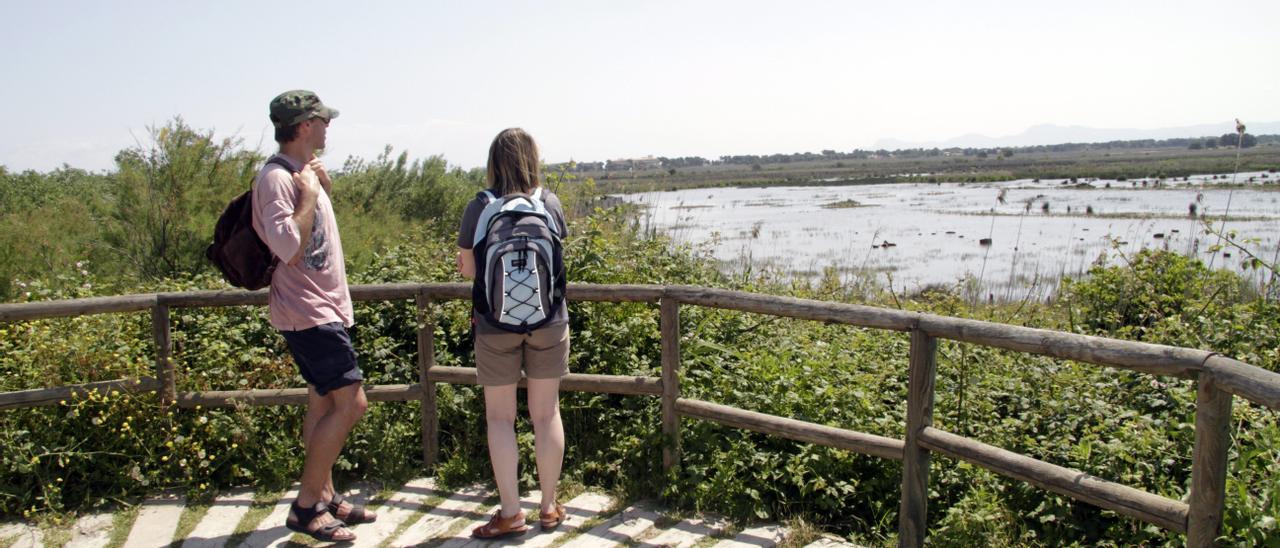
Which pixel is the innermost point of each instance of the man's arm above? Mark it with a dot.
(304, 213)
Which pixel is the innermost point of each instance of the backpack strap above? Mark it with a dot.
(492, 205)
(540, 201)
(275, 160)
(282, 163)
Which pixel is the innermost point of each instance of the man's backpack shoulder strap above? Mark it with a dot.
(282, 163)
(274, 160)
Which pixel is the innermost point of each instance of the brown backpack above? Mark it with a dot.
(242, 257)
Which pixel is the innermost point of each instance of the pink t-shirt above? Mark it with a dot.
(313, 291)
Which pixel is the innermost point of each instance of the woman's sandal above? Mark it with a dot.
(551, 520)
(325, 533)
(356, 516)
(499, 527)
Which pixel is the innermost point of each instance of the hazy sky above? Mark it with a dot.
(597, 79)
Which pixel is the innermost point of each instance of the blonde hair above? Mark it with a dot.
(513, 162)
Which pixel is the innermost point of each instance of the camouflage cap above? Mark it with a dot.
(299, 105)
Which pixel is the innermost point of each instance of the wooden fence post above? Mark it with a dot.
(427, 360)
(913, 515)
(164, 363)
(670, 328)
(1208, 462)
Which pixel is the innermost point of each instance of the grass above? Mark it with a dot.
(121, 524)
(427, 505)
(56, 534)
(1100, 163)
(844, 204)
(190, 518)
(263, 503)
(800, 532)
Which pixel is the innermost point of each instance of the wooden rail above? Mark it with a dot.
(1219, 378)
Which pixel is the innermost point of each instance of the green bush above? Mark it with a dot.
(398, 219)
(168, 194)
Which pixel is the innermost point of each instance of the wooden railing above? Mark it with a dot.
(1219, 378)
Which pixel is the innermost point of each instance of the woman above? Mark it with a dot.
(543, 353)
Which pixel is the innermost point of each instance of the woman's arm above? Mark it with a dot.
(466, 263)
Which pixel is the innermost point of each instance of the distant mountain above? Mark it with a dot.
(1050, 134)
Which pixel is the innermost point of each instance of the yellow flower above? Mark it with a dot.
(164, 458)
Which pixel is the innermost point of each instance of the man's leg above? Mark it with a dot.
(344, 509)
(317, 407)
(548, 436)
(325, 441)
(500, 415)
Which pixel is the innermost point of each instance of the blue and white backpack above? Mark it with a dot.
(519, 284)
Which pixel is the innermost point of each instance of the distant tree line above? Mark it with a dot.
(1230, 140)
(1227, 140)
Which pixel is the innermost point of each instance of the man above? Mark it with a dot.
(311, 306)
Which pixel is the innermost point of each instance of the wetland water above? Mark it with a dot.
(935, 229)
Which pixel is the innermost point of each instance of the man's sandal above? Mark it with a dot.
(325, 533)
(499, 527)
(356, 516)
(551, 520)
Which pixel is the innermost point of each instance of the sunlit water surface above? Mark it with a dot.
(936, 230)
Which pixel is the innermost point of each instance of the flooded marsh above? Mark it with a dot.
(1013, 238)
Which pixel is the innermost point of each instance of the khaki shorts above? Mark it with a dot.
(543, 354)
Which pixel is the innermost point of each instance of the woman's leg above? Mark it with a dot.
(500, 412)
(548, 431)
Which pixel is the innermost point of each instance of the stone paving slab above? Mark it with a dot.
(271, 531)
(22, 535)
(219, 523)
(623, 527)
(760, 536)
(687, 533)
(831, 541)
(156, 523)
(92, 531)
(394, 511)
(461, 505)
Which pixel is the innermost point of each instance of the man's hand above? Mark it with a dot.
(318, 167)
(308, 181)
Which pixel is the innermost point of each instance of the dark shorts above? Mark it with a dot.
(325, 356)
